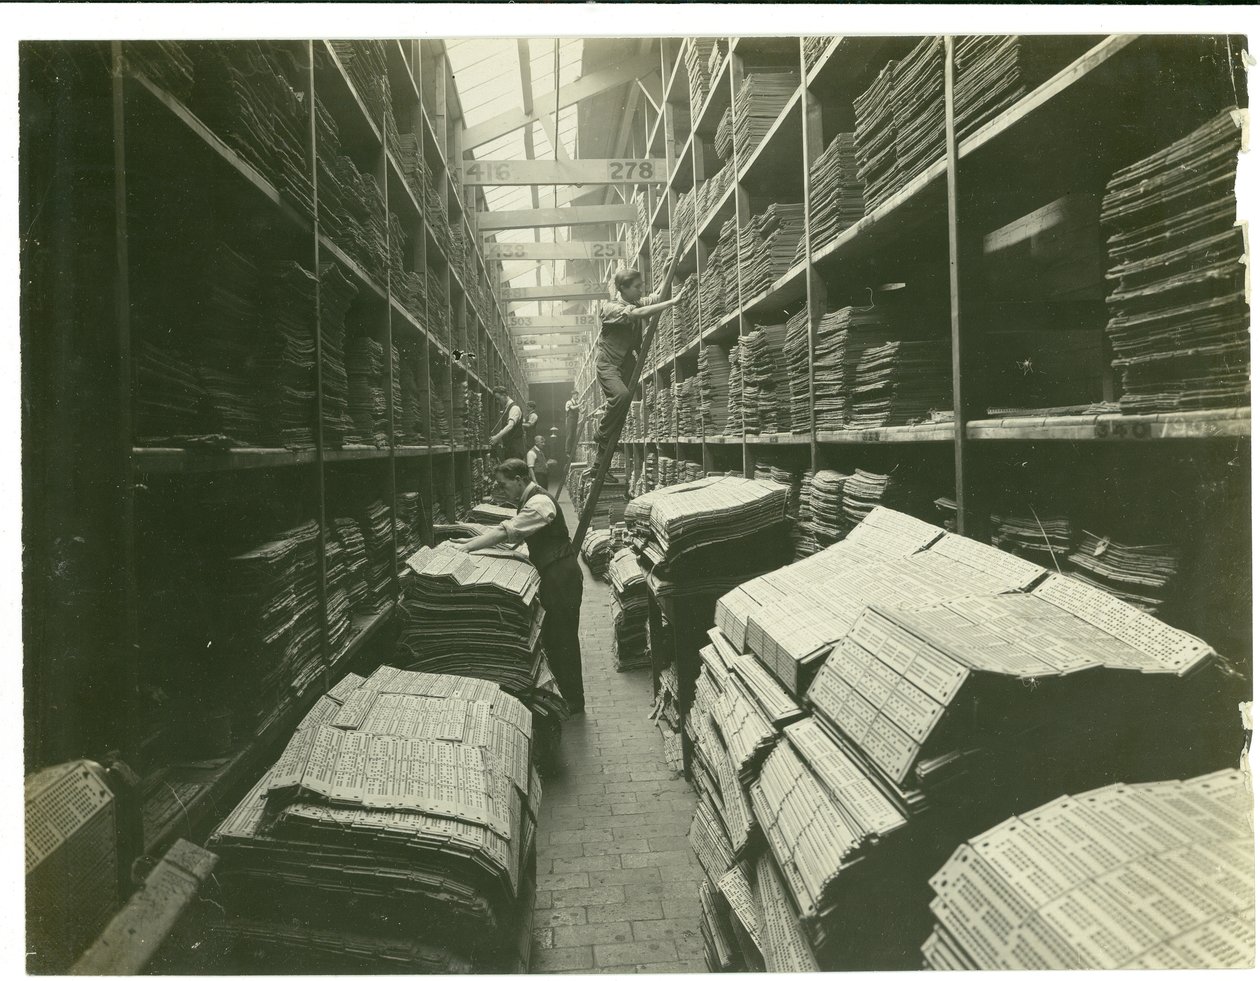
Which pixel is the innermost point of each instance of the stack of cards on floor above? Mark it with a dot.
(477, 614)
(397, 828)
(1169, 883)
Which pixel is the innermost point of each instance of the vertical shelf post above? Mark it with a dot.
(382, 172)
(126, 643)
(968, 523)
(815, 291)
(735, 79)
(312, 147)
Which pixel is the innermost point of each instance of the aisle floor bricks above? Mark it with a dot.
(616, 877)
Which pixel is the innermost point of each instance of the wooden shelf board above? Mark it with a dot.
(433, 249)
(325, 243)
(400, 69)
(786, 289)
(928, 432)
(778, 439)
(197, 128)
(677, 75)
(714, 105)
(1093, 60)
(361, 125)
(352, 454)
(687, 262)
(434, 146)
(824, 60)
(405, 314)
(718, 214)
(780, 129)
(161, 459)
(924, 193)
(684, 158)
(1115, 427)
(364, 628)
(399, 188)
(221, 786)
(725, 328)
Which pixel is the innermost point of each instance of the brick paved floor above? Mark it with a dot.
(616, 877)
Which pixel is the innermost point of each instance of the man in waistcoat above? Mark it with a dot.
(539, 523)
(509, 431)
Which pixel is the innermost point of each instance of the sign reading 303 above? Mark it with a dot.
(570, 320)
(614, 171)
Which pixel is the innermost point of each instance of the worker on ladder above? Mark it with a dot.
(620, 334)
(510, 429)
(539, 523)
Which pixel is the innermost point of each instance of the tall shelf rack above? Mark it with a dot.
(1100, 103)
(100, 137)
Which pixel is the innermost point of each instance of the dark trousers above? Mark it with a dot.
(615, 380)
(541, 477)
(561, 595)
(570, 442)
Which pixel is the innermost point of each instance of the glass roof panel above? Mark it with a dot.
(488, 79)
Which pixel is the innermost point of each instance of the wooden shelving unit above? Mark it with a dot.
(92, 694)
(1101, 103)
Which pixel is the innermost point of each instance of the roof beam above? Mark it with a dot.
(551, 120)
(527, 100)
(599, 214)
(584, 88)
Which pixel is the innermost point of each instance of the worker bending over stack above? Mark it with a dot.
(539, 523)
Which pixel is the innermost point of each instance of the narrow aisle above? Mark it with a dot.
(617, 878)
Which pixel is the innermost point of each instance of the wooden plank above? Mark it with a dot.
(533, 324)
(625, 170)
(567, 350)
(560, 291)
(591, 214)
(136, 934)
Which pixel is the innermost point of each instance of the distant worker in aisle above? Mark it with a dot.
(572, 416)
(620, 337)
(539, 523)
(531, 422)
(537, 461)
(509, 431)
(555, 450)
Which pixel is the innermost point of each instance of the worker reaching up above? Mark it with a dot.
(539, 523)
(620, 336)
